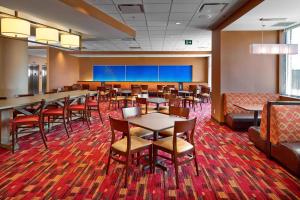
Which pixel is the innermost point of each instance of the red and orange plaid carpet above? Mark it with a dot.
(230, 168)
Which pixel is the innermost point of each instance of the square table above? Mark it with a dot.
(155, 122)
(157, 101)
(255, 108)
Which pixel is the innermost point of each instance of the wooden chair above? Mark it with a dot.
(103, 93)
(126, 147)
(193, 99)
(67, 88)
(118, 86)
(85, 86)
(144, 89)
(95, 105)
(205, 93)
(178, 147)
(179, 112)
(143, 105)
(135, 91)
(81, 110)
(115, 99)
(58, 115)
(108, 87)
(175, 102)
(27, 122)
(160, 90)
(135, 131)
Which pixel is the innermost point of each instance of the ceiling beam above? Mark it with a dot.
(87, 9)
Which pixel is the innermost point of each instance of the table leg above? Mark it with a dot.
(157, 106)
(255, 118)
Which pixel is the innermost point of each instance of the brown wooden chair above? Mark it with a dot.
(126, 147)
(117, 86)
(177, 147)
(179, 112)
(28, 122)
(95, 105)
(144, 89)
(67, 88)
(115, 99)
(103, 93)
(175, 102)
(205, 93)
(135, 91)
(108, 87)
(160, 90)
(135, 131)
(81, 109)
(58, 115)
(193, 99)
(143, 105)
(85, 86)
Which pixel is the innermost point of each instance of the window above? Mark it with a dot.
(292, 71)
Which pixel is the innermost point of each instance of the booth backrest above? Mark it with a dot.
(284, 124)
(245, 98)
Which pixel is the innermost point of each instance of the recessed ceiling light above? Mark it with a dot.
(177, 23)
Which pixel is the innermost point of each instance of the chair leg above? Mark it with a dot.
(44, 138)
(127, 170)
(196, 163)
(68, 121)
(65, 125)
(176, 170)
(85, 114)
(155, 151)
(151, 158)
(100, 114)
(108, 162)
(13, 139)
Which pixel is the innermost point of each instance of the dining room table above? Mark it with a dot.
(255, 108)
(157, 101)
(19, 103)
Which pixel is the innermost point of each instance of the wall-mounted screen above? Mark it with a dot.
(178, 73)
(109, 73)
(166, 73)
(142, 73)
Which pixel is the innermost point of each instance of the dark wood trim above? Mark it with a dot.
(139, 52)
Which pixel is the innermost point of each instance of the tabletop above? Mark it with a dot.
(23, 101)
(155, 121)
(250, 107)
(157, 100)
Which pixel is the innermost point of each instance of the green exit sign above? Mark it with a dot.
(188, 42)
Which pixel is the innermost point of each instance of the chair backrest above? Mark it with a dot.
(68, 88)
(112, 94)
(117, 85)
(205, 89)
(101, 88)
(142, 101)
(179, 111)
(144, 87)
(25, 95)
(175, 102)
(135, 86)
(121, 126)
(192, 88)
(171, 86)
(3, 98)
(85, 86)
(169, 96)
(175, 92)
(160, 87)
(187, 127)
(135, 91)
(108, 86)
(131, 112)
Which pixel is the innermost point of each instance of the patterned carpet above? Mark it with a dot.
(230, 168)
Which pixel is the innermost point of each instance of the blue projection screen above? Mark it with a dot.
(109, 73)
(175, 73)
(167, 73)
(142, 73)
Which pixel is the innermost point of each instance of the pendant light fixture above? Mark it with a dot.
(272, 48)
(47, 35)
(13, 27)
(70, 41)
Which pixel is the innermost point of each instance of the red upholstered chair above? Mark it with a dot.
(95, 105)
(81, 110)
(27, 122)
(59, 113)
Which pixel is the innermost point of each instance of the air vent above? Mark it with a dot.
(131, 8)
(283, 24)
(134, 47)
(212, 8)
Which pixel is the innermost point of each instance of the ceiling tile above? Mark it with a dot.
(134, 17)
(157, 1)
(186, 7)
(156, 28)
(180, 16)
(157, 16)
(99, 2)
(157, 8)
(108, 8)
(157, 23)
(127, 1)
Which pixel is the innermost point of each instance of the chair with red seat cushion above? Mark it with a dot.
(61, 113)
(28, 121)
(81, 109)
(95, 105)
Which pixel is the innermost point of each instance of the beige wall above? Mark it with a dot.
(39, 61)
(63, 69)
(200, 65)
(234, 69)
(13, 67)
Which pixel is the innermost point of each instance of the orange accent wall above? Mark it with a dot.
(236, 70)
(63, 69)
(200, 65)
